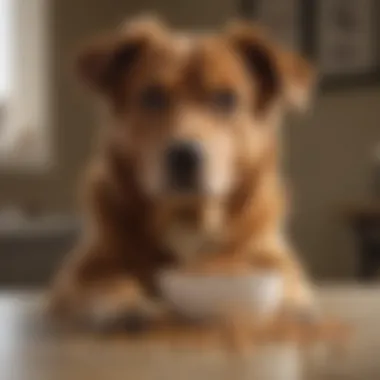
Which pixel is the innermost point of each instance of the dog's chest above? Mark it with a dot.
(187, 243)
(191, 233)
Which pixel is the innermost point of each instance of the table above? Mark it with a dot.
(29, 352)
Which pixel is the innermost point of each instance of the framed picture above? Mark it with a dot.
(280, 17)
(340, 36)
(346, 43)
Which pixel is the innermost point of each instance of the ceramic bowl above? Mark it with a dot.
(204, 296)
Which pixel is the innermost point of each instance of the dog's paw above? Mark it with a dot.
(132, 318)
(121, 305)
(303, 314)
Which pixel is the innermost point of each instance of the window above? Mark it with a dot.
(5, 44)
(23, 83)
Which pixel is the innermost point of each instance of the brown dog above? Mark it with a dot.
(188, 167)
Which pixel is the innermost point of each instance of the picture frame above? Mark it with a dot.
(346, 47)
(282, 18)
(339, 36)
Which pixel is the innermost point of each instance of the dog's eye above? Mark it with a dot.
(154, 98)
(224, 99)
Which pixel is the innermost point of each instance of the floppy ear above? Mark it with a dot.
(102, 62)
(279, 73)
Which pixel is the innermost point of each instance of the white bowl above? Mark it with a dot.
(204, 296)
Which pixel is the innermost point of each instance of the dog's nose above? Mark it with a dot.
(183, 161)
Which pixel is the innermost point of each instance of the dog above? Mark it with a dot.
(188, 167)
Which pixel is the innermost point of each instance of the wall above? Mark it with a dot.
(329, 165)
(327, 156)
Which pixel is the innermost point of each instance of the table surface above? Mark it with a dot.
(29, 352)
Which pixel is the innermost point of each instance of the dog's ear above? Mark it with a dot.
(101, 63)
(280, 74)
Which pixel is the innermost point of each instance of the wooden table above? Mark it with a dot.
(29, 352)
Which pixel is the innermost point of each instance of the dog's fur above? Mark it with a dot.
(135, 227)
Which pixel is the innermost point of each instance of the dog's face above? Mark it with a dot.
(192, 111)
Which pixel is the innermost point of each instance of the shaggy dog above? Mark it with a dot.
(188, 166)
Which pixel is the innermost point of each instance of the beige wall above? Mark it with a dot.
(329, 164)
(327, 156)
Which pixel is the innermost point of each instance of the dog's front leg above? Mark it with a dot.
(299, 296)
(121, 303)
(114, 304)
(93, 292)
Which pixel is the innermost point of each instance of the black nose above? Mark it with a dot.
(183, 161)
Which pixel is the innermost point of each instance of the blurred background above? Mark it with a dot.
(47, 126)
